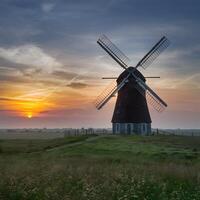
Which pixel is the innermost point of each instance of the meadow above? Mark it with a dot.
(101, 167)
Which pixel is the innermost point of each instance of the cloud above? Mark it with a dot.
(190, 80)
(7, 110)
(30, 55)
(64, 74)
(59, 28)
(13, 79)
(13, 100)
(47, 7)
(77, 85)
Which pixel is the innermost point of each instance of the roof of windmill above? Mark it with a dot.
(125, 73)
(131, 106)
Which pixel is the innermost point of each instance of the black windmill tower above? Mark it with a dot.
(131, 114)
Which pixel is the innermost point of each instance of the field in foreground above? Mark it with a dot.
(101, 167)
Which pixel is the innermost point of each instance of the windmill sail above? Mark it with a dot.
(113, 51)
(157, 49)
(109, 92)
(157, 105)
(152, 98)
(154, 102)
(99, 102)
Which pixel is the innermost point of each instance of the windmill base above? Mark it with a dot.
(132, 128)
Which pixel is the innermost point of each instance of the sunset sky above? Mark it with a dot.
(51, 65)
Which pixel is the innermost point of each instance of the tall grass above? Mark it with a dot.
(101, 170)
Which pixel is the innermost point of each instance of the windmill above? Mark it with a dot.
(131, 113)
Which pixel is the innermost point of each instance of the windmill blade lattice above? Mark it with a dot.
(113, 51)
(157, 105)
(152, 98)
(105, 96)
(157, 49)
(106, 92)
(109, 92)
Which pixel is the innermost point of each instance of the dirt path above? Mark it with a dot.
(77, 143)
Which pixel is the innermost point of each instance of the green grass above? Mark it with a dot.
(101, 167)
(28, 146)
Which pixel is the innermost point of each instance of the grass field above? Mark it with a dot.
(101, 167)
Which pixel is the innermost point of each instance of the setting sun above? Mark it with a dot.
(29, 115)
(27, 107)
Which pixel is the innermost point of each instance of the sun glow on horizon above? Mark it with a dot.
(26, 107)
(29, 115)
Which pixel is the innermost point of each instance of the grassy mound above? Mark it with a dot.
(101, 167)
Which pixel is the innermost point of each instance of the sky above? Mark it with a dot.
(51, 65)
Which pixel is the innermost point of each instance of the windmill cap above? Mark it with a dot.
(125, 73)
